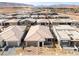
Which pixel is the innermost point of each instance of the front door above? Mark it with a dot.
(40, 44)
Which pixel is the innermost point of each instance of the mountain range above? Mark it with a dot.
(8, 4)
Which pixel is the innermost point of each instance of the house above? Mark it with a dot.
(8, 17)
(1, 42)
(34, 16)
(27, 15)
(61, 21)
(12, 35)
(27, 21)
(67, 36)
(2, 16)
(39, 36)
(12, 22)
(2, 21)
(41, 16)
(22, 16)
(43, 21)
(31, 19)
(75, 23)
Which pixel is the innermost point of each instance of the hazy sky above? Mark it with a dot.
(52, 3)
(43, 2)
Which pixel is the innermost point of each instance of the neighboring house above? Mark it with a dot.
(43, 21)
(1, 42)
(67, 36)
(12, 22)
(61, 21)
(12, 35)
(2, 21)
(34, 16)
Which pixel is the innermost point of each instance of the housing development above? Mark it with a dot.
(33, 30)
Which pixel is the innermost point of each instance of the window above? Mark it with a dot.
(49, 40)
(6, 24)
(64, 43)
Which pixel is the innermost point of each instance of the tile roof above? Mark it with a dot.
(38, 33)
